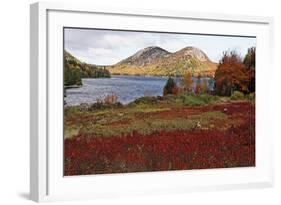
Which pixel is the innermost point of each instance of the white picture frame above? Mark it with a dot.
(47, 182)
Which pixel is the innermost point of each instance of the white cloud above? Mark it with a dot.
(100, 52)
(105, 47)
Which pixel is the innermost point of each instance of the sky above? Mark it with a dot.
(107, 47)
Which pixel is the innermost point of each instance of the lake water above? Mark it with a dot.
(127, 88)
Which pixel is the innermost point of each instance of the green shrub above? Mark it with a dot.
(147, 100)
(103, 106)
(208, 99)
(196, 100)
(251, 96)
(170, 98)
(192, 101)
(237, 95)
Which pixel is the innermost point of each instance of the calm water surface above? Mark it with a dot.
(127, 88)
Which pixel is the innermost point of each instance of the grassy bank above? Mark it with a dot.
(145, 115)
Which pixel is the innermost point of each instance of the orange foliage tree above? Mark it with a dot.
(187, 83)
(231, 75)
(201, 86)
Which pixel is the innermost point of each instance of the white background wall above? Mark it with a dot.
(14, 101)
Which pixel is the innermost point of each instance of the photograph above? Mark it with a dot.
(144, 101)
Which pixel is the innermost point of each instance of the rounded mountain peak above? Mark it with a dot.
(146, 55)
(193, 52)
(151, 50)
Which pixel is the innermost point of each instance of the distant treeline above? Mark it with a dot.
(75, 70)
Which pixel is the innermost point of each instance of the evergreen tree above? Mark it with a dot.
(250, 63)
(170, 87)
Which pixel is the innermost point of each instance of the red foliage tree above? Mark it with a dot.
(231, 75)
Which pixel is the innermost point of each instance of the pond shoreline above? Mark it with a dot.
(126, 88)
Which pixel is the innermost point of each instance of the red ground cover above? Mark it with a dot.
(160, 151)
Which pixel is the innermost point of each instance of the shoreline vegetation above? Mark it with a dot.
(162, 76)
(186, 128)
(75, 70)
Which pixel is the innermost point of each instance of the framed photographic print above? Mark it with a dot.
(127, 102)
